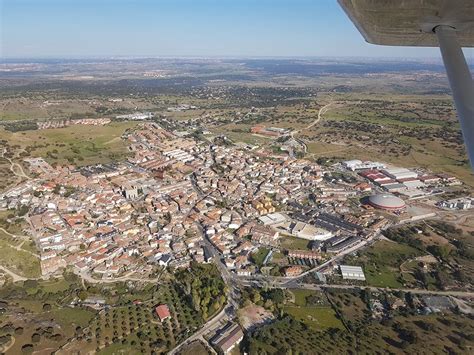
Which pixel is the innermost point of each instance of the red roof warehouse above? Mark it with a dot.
(163, 312)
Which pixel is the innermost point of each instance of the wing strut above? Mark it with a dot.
(461, 83)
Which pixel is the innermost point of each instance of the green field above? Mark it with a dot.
(10, 223)
(55, 285)
(315, 317)
(7, 238)
(18, 261)
(80, 144)
(381, 263)
(293, 243)
(300, 296)
(30, 246)
(7, 178)
(382, 277)
(78, 316)
(414, 131)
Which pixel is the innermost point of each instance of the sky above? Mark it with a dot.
(199, 28)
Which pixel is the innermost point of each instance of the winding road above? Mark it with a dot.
(21, 173)
(321, 112)
(18, 247)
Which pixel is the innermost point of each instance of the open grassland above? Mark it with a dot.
(80, 145)
(55, 104)
(80, 316)
(381, 263)
(441, 244)
(432, 156)
(10, 223)
(36, 107)
(7, 178)
(315, 317)
(55, 285)
(312, 309)
(16, 260)
(50, 329)
(397, 116)
(241, 133)
(300, 296)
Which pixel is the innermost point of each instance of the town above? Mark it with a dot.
(263, 218)
(177, 198)
(223, 206)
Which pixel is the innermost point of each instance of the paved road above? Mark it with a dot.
(321, 287)
(406, 290)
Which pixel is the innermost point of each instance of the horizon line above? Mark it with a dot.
(116, 57)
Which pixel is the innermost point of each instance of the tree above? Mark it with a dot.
(19, 331)
(27, 348)
(82, 295)
(4, 339)
(421, 276)
(441, 252)
(277, 296)
(408, 335)
(35, 338)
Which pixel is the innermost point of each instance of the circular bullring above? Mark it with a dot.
(387, 202)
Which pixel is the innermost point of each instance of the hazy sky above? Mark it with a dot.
(51, 28)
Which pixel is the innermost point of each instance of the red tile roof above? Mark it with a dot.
(163, 312)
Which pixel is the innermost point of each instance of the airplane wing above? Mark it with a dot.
(410, 22)
(448, 24)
